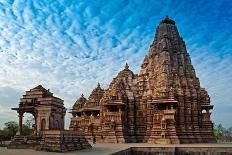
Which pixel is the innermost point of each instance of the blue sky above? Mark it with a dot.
(69, 46)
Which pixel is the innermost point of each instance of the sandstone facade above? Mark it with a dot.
(162, 104)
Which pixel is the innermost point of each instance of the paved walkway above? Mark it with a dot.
(102, 149)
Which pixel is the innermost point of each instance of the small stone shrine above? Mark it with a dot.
(48, 131)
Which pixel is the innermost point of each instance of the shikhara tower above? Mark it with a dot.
(164, 103)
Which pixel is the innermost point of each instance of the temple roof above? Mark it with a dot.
(39, 87)
(80, 100)
(38, 90)
(125, 72)
(119, 84)
(116, 91)
(38, 96)
(97, 93)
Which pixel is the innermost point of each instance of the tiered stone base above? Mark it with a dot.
(51, 140)
(25, 142)
(63, 141)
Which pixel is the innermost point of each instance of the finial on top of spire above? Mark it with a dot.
(98, 85)
(126, 66)
(167, 20)
(166, 17)
(82, 95)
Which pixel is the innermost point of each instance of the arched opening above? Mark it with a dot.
(203, 111)
(28, 127)
(43, 124)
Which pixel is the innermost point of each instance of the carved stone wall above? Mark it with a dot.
(163, 104)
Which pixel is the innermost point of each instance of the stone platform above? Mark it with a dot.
(107, 149)
(52, 141)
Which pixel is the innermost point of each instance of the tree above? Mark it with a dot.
(221, 133)
(30, 121)
(28, 125)
(10, 129)
(26, 130)
(230, 131)
(2, 135)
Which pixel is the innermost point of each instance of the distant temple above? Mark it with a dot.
(163, 104)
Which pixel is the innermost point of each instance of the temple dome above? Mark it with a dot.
(80, 101)
(96, 94)
(125, 72)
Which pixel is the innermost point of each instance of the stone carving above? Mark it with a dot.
(163, 104)
(87, 113)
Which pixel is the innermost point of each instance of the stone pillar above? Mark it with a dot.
(20, 127)
(35, 127)
(119, 107)
(172, 106)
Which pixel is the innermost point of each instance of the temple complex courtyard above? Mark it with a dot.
(107, 149)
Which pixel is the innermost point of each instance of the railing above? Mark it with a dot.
(170, 111)
(88, 120)
(167, 114)
(113, 116)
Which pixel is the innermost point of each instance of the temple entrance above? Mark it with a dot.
(43, 124)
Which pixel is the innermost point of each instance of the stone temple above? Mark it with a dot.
(163, 104)
(48, 129)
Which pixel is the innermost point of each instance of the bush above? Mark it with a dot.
(221, 133)
(2, 144)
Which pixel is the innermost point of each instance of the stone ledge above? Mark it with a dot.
(175, 150)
